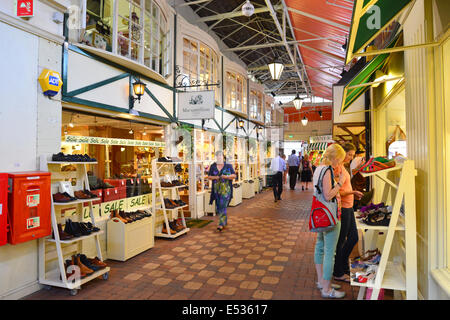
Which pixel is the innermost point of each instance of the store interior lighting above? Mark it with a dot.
(304, 121)
(298, 102)
(248, 9)
(71, 121)
(139, 89)
(241, 124)
(275, 68)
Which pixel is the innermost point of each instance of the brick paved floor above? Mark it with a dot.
(265, 253)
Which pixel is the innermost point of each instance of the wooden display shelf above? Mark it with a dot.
(362, 226)
(73, 240)
(174, 187)
(173, 208)
(75, 202)
(368, 174)
(71, 162)
(52, 279)
(172, 236)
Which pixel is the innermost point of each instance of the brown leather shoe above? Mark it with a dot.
(177, 226)
(97, 262)
(124, 216)
(83, 268)
(164, 230)
(81, 195)
(59, 197)
(115, 214)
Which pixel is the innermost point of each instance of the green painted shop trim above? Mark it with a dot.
(364, 76)
(118, 66)
(389, 10)
(159, 104)
(112, 108)
(96, 85)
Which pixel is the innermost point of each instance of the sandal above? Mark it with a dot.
(333, 286)
(344, 279)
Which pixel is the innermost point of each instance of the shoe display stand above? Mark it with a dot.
(126, 240)
(248, 189)
(197, 183)
(237, 192)
(65, 248)
(158, 205)
(397, 269)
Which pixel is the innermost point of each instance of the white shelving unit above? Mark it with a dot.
(159, 205)
(57, 276)
(397, 269)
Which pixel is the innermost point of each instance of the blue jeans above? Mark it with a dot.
(325, 250)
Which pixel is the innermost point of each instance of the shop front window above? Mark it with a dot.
(128, 159)
(141, 33)
(255, 105)
(268, 113)
(200, 64)
(236, 92)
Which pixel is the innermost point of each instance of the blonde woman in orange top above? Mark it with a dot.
(348, 236)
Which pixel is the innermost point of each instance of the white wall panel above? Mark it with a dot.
(18, 127)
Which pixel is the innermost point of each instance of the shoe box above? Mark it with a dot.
(110, 194)
(29, 206)
(121, 185)
(3, 208)
(99, 193)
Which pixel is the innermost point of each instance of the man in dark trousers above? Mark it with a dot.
(293, 163)
(278, 166)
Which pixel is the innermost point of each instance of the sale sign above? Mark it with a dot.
(24, 8)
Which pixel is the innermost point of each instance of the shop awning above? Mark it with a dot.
(317, 146)
(368, 22)
(351, 93)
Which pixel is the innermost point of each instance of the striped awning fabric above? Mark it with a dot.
(317, 146)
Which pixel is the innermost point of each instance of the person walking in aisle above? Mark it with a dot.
(278, 165)
(222, 175)
(348, 236)
(307, 173)
(283, 156)
(293, 164)
(325, 247)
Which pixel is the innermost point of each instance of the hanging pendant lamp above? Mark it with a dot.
(304, 121)
(297, 102)
(275, 68)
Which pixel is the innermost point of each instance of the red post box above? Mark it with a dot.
(29, 206)
(3, 208)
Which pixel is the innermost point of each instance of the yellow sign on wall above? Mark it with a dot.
(50, 82)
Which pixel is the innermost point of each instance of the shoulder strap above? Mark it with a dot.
(322, 174)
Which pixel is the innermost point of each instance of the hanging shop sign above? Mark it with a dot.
(113, 141)
(50, 82)
(196, 105)
(24, 8)
(326, 138)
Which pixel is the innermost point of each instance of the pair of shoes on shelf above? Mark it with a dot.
(133, 216)
(172, 204)
(72, 158)
(378, 218)
(62, 234)
(164, 159)
(94, 264)
(63, 197)
(116, 214)
(78, 229)
(84, 194)
(76, 261)
(176, 225)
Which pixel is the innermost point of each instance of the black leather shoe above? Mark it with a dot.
(72, 229)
